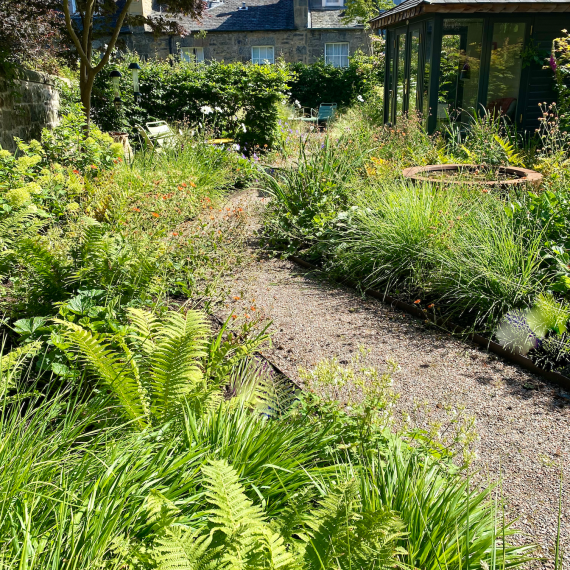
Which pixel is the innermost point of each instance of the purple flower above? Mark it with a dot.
(553, 64)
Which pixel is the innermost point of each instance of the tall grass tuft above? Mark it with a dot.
(459, 247)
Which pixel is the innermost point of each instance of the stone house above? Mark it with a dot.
(260, 31)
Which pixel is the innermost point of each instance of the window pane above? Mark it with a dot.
(389, 76)
(336, 54)
(401, 77)
(414, 71)
(460, 69)
(427, 71)
(506, 68)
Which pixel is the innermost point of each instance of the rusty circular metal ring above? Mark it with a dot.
(522, 175)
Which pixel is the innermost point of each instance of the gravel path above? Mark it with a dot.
(525, 433)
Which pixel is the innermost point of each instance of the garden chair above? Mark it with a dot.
(306, 112)
(146, 140)
(160, 133)
(325, 114)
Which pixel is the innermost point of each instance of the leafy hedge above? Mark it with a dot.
(314, 84)
(235, 100)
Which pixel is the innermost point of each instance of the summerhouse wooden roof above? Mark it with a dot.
(412, 8)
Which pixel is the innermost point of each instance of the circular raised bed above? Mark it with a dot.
(472, 175)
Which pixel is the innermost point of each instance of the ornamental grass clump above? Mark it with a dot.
(492, 264)
(460, 247)
(396, 234)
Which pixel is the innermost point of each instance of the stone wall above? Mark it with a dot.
(29, 101)
(305, 45)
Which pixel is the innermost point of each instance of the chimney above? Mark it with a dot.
(141, 8)
(301, 10)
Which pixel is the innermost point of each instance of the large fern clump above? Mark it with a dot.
(54, 266)
(154, 369)
(335, 534)
(161, 364)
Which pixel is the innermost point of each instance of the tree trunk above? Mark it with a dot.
(86, 79)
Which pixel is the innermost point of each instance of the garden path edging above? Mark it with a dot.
(527, 363)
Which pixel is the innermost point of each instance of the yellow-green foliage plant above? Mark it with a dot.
(156, 368)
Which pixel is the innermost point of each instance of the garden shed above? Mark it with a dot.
(447, 58)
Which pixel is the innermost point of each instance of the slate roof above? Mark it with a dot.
(330, 19)
(411, 4)
(260, 15)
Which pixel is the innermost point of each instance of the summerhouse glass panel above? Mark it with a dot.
(427, 71)
(460, 69)
(401, 73)
(414, 71)
(389, 76)
(506, 68)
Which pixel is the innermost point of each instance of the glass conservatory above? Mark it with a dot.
(449, 59)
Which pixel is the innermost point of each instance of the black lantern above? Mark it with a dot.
(135, 70)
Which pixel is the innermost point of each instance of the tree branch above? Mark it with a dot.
(114, 37)
(73, 35)
(87, 28)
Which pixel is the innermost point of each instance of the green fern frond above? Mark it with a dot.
(185, 549)
(145, 326)
(161, 512)
(330, 527)
(47, 272)
(175, 367)
(111, 369)
(376, 537)
(232, 512)
(509, 150)
(295, 516)
(253, 384)
(12, 228)
(278, 556)
(12, 363)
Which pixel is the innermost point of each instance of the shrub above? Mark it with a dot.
(319, 83)
(66, 144)
(235, 100)
(559, 63)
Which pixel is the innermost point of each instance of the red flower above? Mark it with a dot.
(75, 171)
(156, 215)
(93, 166)
(417, 301)
(137, 209)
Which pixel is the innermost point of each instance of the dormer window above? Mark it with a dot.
(333, 3)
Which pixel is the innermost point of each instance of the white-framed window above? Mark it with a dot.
(192, 54)
(263, 55)
(337, 54)
(331, 3)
